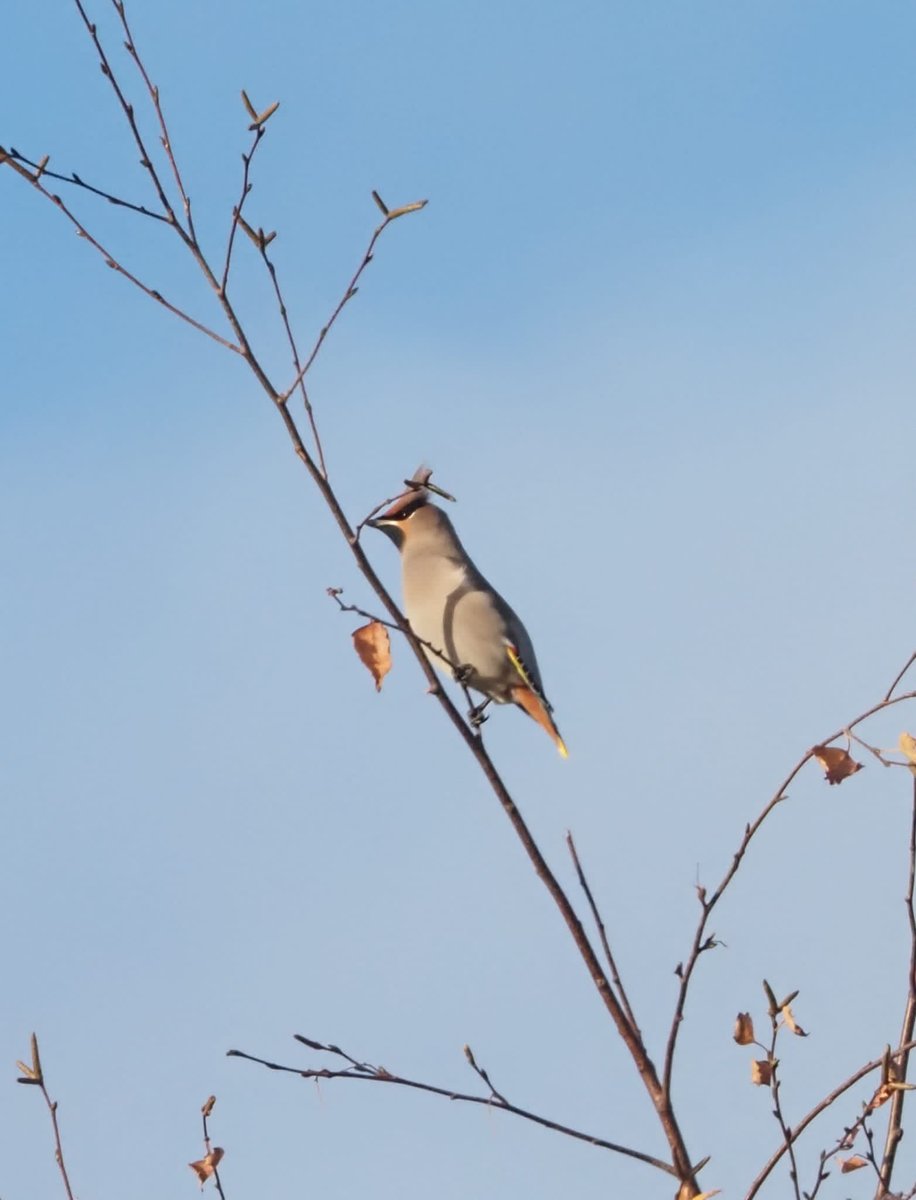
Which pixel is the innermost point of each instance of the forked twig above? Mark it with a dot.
(701, 940)
(371, 1074)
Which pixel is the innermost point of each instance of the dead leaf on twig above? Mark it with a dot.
(204, 1167)
(373, 646)
(791, 1023)
(761, 1072)
(744, 1029)
(838, 763)
(852, 1164)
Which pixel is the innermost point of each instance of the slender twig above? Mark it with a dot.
(701, 940)
(351, 289)
(370, 1074)
(58, 1147)
(111, 261)
(602, 933)
(900, 674)
(237, 211)
(208, 1147)
(895, 1116)
(165, 137)
(775, 1084)
(33, 1075)
(482, 1074)
(822, 1105)
(76, 181)
(294, 350)
(128, 109)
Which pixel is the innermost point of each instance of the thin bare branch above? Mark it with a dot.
(894, 1133)
(821, 1107)
(237, 211)
(482, 1074)
(370, 1074)
(128, 109)
(112, 262)
(165, 136)
(351, 289)
(900, 674)
(701, 940)
(33, 1074)
(294, 350)
(602, 933)
(77, 181)
(775, 1085)
(205, 1112)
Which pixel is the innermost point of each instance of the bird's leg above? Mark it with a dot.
(476, 714)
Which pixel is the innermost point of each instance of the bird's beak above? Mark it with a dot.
(391, 528)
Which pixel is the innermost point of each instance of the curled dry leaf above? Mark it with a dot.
(761, 1072)
(791, 1023)
(852, 1164)
(744, 1029)
(882, 1094)
(838, 763)
(373, 646)
(708, 1195)
(204, 1167)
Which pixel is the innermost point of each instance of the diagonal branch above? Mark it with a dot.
(822, 1105)
(165, 137)
(128, 109)
(895, 1118)
(390, 215)
(370, 1074)
(602, 933)
(76, 181)
(110, 260)
(702, 941)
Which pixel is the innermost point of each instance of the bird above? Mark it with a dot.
(465, 627)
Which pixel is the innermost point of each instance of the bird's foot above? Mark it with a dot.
(463, 673)
(477, 716)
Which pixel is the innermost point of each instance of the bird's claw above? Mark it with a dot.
(476, 716)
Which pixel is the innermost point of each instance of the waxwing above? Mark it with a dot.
(466, 628)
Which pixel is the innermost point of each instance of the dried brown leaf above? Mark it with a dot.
(838, 763)
(207, 1108)
(373, 646)
(791, 1023)
(882, 1094)
(852, 1164)
(204, 1167)
(708, 1195)
(761, 1072)
(744, 1029)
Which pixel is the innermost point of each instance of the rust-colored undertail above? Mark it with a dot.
(526, 696)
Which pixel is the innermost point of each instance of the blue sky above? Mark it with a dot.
(654, 330)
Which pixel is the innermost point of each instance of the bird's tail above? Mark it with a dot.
(528, 699)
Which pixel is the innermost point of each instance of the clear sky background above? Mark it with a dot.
(655, 331)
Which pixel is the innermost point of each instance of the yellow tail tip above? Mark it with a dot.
(561, 746)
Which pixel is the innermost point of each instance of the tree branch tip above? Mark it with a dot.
(383, 207)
